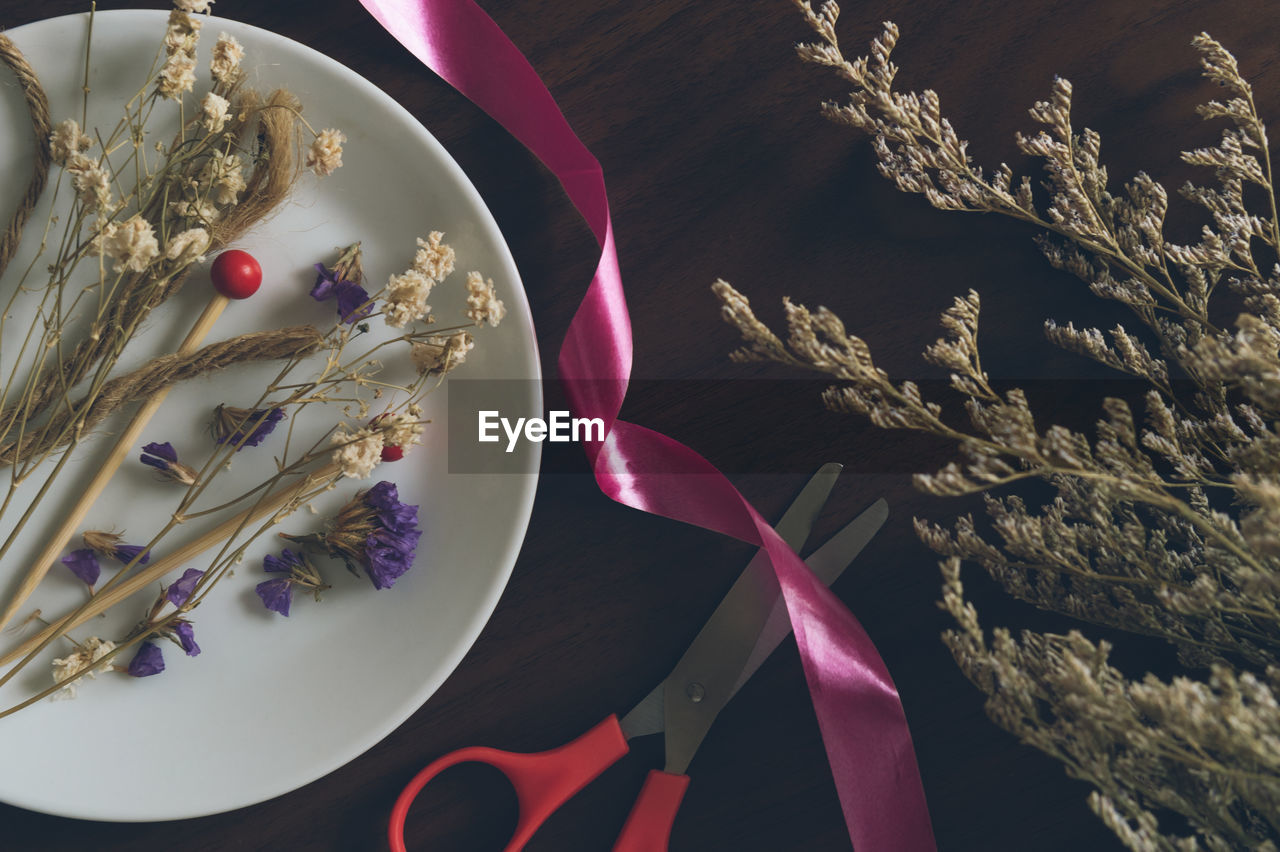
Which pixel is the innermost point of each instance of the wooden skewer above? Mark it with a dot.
(40, 567)
(108, 598)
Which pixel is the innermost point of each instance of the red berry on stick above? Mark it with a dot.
(236, 274)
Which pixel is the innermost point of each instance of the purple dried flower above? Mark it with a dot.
(376, 532)
(186, 637)
(277, 595)
(126, 553)
(326, 284)
(395, 516)
(84, 564)
(162, 453)
(180, 590)
(231, 425)
(164, 458)
(389, 555)
(148, 661)
(285, 563)
(108, 544)
(353, 300)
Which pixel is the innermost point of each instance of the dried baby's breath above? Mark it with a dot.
(85, 662)
(483, 304)
(324, 157)
(434, 258)
(227, 56)
(213, 112)
(67, 141)
(436, 354)
(358, 452)
(132, 244)
(406, 298)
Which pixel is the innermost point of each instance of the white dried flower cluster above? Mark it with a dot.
(324, 157)
(434, 258)
(403, 428)
(224, 65)
(1171, 529)
(188, 246)
(223, 176)
(182, 34)
(90, 652)
(205, 212)
(92, 182)
(437, 354)
(213, 112)
(178, 74)
(67, 141)
(483, 304)
(405, 297)
(131, 244)
(358, 452)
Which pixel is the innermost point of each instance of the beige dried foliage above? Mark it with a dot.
(1166, 525)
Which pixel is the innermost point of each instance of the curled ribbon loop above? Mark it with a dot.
(859, 712)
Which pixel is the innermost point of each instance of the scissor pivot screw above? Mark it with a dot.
(696, 692)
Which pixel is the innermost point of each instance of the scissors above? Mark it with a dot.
(746, 627)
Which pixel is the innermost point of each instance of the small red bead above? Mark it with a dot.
(392, 452)
(236, 274)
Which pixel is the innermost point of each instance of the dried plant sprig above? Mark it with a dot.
(196, 197)
(299, 476)
(1165, 528)
(166, 370)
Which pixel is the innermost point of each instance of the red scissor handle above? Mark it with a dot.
(543, 781)
(648, 826)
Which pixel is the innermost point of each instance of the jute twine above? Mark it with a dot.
(158, 374)
(38, 107)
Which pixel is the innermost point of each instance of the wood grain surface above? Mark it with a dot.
(718, 165)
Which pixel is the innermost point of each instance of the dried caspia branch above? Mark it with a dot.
(1165, 526)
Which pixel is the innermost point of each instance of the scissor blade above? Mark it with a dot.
(744, 630)
(647, 716)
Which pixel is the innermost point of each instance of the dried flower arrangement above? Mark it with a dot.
(137, 246)
(1171, 529)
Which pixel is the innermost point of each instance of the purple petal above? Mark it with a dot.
(126, 553)
(383, 495)
(325, 284)
(283, 564)
(164, 451)
(276, 595)
(400, 518)
(148, 661)
(181, 589)
(263, 422)
(351, 298)
(394, 515)
(84, 564)
(187, 638)
(389, 555)
(157, 463)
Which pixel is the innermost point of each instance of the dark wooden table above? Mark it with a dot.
(718, 165)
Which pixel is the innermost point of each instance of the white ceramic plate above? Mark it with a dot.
(272, 703)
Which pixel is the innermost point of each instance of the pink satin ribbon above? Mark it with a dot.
(858, 709)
